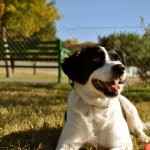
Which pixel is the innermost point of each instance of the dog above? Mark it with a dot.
(97, 113)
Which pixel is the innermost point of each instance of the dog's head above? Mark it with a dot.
(102, 70)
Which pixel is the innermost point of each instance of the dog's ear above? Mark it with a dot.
(72, 66)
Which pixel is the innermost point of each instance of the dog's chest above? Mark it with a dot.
(98, 124)
(103, 116)
(108, 110)
(104, 122)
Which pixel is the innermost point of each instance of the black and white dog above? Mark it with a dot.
(94, 113)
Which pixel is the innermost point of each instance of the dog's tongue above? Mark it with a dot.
(115, 86)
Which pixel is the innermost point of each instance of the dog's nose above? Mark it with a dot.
(118, 69)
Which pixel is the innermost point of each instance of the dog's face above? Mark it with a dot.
(94, 65)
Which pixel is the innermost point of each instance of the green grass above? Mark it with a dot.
(32, 115)
(137, 93)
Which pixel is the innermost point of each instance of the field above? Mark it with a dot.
(32, 115)
(27, 75)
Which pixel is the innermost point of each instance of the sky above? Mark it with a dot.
(81, 14)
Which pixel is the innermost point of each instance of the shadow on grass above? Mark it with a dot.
(42, 139)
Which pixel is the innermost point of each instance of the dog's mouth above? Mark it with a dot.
(109, 88)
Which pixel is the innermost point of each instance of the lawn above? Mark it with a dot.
(32, 115)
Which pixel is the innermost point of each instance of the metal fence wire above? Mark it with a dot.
(73, 36)
(91, 34)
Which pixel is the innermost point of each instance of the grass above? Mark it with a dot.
(26, 74)
(32, 115)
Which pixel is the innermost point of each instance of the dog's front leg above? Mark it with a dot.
(136, 126)
(71, 137)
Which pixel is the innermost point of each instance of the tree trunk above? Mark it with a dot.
(5, 49)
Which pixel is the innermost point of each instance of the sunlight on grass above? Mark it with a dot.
(32, 115)
(30, 109)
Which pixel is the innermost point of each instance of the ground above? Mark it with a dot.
(32, 115)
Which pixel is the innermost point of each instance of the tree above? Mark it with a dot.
(5, 10)
(145, 70)
(46, 33)
(30, 16)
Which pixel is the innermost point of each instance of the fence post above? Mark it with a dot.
(59, 61)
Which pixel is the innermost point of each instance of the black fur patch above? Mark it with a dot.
(79, 66)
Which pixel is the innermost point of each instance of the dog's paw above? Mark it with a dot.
(144, 138)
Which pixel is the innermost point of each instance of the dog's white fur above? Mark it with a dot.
(94, 118)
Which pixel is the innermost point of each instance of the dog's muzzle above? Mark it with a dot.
(111, 88)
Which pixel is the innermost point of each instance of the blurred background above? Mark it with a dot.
(123, 25)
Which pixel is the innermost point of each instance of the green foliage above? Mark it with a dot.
(6, 8)
(46, 33)
(30, 16)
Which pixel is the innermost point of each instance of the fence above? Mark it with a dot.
(91, 34)
(76, 35)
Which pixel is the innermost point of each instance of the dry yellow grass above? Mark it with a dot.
(32, 115)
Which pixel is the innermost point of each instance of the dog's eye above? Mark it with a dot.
(118, 58)
(115, 57)
(96, 59)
